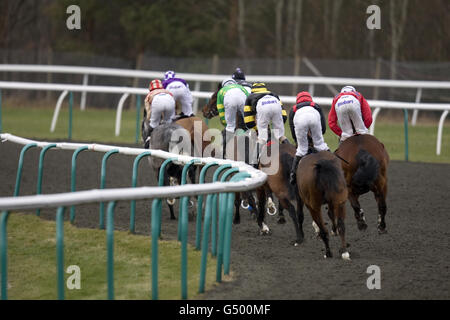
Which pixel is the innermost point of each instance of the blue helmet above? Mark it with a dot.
(169, 75)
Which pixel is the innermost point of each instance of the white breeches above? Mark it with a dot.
(233, 101)
(308, 119)
(268, 109)
(348, 111)
(182, 95)
(162, 109)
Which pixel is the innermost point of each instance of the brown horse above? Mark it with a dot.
(190, 124)
(365, 162)
(320, 180)
(278, 184)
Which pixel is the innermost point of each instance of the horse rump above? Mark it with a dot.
(367, 172)
(329, 178)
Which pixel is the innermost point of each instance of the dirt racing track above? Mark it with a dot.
(414, 256)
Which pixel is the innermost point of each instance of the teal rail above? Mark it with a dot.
(60, 252)
(405, 114)
(134, 184)
(138, 118)
(73, 178)
(222, 214)
(20, 167)
(198, 222)
(110, 249)
(102, 184)
(4, 254)
(41, 171)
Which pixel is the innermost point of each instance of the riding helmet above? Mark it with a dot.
(169, 75)
(259, 87)
(238, 74)
(155, 84)
(348, 89)
(227, 82)
(303, 96)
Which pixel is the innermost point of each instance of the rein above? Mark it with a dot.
(341, 158)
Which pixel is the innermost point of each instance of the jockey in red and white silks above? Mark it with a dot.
(159, 108)
(180, 91)
(349, 107)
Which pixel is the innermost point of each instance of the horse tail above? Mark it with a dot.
(328, 178)
(286, 163)
(366, 173)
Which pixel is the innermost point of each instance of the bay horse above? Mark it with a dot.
(320, 180)
(365, 161)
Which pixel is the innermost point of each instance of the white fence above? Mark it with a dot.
(126, 91)
(73, 198)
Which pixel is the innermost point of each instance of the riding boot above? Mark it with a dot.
(293, 175)
(147, 140)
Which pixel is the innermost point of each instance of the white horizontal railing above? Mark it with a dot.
(125, 91)
(130, 73)
(256, 179)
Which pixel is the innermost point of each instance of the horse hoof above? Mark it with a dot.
(237, 221)
(346, 256)
(382, 231)
(362, 226)
(281, 220)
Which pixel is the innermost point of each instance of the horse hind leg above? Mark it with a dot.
(281, 218)
(323, 232)
(237, 204)
(332, 216)
(359, 212)
(340, 213)
(263, 228)
(297, 225)
(380, 197)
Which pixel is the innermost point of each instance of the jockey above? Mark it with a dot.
(180, 91)
(266, 107)
(306, 116)
(239, 77)
(349, 109)
(159, 108)
(230, 101)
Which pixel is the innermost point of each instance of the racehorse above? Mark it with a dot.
(278, 183)
(190, 124)
(320, 180)
(365, 162)
(163, 138)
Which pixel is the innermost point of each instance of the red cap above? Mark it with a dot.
(155, 84)
(303, 96)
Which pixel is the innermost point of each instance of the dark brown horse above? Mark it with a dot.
(365, 162)
(278, 184)
(320, 181)
(190, 124)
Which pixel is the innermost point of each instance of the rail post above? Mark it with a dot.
(60, 252)
(70, 115)
(138, 118)
(102, 184)
(205, 238)
(156, 230)
(133, 184)
(4, 254)
(41, 170)
(20, 166)
(110, 249)
(228, 223)
(73, 178)
(0, 111)
(405, 113)
(222, 215)
(198, 222)
(183, 230)
(214, 210)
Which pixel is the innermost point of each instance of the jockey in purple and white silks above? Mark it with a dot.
(180, 91)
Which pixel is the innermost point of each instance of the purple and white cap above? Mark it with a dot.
(169, 75)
